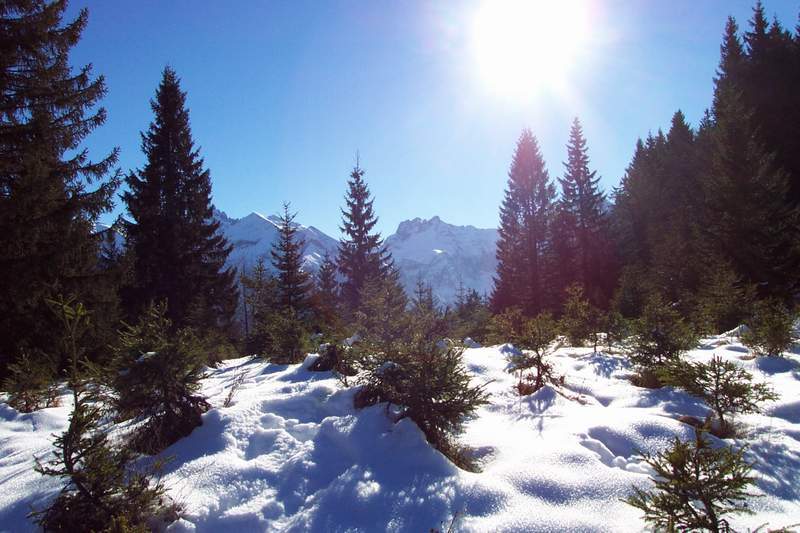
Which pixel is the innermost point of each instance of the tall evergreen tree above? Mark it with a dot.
(326, 296)
(51, 193)
(179, 255)
(327, 284)
(524, 244)
(293, 283)
(581, 211)
(362, 254)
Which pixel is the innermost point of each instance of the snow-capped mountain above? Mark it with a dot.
(438, 253)
(443, 254)
(252, 237)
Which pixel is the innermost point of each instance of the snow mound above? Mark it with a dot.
(292, 454)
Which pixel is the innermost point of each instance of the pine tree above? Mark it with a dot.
(524, 244)
(362, 254)
(582, 216)
(293, 283)
(179, 253)
(769, 87)
(327, 284)
(747, 213)
(262, 299)
(326, 297)
(51, 193)
(103, 492)
(156, 378)
(695, 486)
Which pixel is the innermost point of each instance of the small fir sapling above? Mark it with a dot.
(157, 377)
(580, 321)
(507, 326)
(31, 383)
(726, 387)
(695, 486)
(431, 387)
(660, 335)
(540, 332)
(617, 329)
(103, 491)
(769, 329)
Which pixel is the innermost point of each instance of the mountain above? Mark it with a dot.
(253, 235)
(442, 254)
(438, 253)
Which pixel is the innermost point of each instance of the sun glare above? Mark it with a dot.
(523, 47)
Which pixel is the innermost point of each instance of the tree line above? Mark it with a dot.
(705, 218)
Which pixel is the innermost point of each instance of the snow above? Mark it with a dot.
(292, 454)
(443, 255)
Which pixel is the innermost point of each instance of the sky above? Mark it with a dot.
(282, 95)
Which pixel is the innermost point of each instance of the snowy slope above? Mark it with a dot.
(442, 254)
(291, 453)
(253, 235)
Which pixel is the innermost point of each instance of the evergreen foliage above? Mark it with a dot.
(508, 326)
(770, 328)
(695, 486)
(524, 251)
(293, 283)
(156, 378)
(660, 335)
(432, 388)
(382, 322)
(103, 491)
(580, 321)
(30, 383)
(179, 255)
(539, 333)
(362, 255)
(580, 232)
(326, 298)
(470, 317)
(727, 388)
(261, 298)
(51, 193)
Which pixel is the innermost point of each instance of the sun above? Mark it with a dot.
(523, 47)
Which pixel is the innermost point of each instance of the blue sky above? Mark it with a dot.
(283, 94)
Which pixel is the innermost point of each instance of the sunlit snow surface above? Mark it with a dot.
(291, 453)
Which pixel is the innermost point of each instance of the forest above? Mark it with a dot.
(700, 238)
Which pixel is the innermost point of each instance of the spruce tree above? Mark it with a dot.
(747, 216)
(51, 193)
(293, 283)
(326, 296)
(179, 254)
(362, 254)
(327, 284)
(524, 251)
(581, 209)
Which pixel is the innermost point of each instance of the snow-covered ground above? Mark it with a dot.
(291, 453)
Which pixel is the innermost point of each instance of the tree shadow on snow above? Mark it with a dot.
(777, 467)
(605, 365)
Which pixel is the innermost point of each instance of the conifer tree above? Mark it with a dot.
(179, 255)
(524, 245)
(262, 298)
(293, 283)
(362, 254)
(581, 209)
(748, 216)
(51, 193)
(327, 284)
(326, 296)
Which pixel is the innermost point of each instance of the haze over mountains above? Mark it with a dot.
(434, 251)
